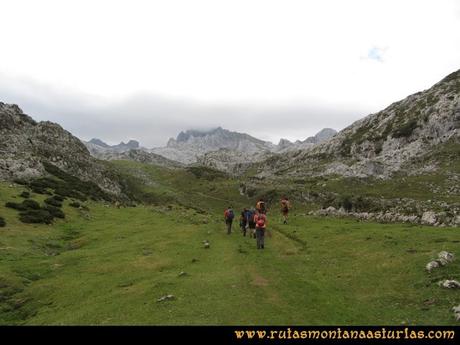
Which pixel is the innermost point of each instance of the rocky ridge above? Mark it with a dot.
(25, 144)
(382, 143)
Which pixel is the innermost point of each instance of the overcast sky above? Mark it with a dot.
(145, 70)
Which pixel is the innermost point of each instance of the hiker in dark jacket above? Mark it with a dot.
(228, 216)
(244, 221)
(251, 224)
(261, 227)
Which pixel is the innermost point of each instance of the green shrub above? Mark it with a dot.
(53, 202)
(405, 130)
(75, 204)
(346, 202)
(206, 173)
(16, 206)
(25, 195)
(59, 197)
(71, 186)
(31, 204)
(2, 222)
(36, 216)
(54, 211)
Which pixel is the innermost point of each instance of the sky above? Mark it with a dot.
(146, 70)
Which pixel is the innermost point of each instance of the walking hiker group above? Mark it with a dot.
(254, 220)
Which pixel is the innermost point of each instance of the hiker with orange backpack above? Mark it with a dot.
(285, 206)
(261, 227)
(228, 216)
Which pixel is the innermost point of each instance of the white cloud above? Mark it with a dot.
(260, 53)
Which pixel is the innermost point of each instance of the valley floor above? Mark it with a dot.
(110, 266)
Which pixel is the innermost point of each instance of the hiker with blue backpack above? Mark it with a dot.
(244, 221)
(228, 216)
(251, 225)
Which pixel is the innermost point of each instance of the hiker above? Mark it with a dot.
(244, 221)
(228, 216)
(251, 223)
(260, 206)
(285, 206)
(261, 226)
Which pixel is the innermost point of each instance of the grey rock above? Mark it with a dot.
(432, 265)
(429, 218)
(449, 284)
(448, 257)
(166, 298)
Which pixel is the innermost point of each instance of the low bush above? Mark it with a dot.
(2, 222)
(75, 204)
(16, 206)
(53, 202)
(405, 130)
(36, 216)
(54, 211)
(25, 195)
(31, 204)
(59, 197)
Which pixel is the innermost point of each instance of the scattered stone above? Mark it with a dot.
(456, 311)
(446, 256)
(207, 245)
(449, 284)
(432, 265)
(166, 298)
(182, 274)
(429, 218)
(443, 259)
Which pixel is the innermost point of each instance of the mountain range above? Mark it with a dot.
(218, 148)
(403, 138)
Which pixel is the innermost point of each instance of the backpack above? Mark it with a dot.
(260, 221)
(230, 215)
(285, 204)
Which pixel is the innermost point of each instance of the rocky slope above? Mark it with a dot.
(383, 143)
(137, 155)
(25, 144)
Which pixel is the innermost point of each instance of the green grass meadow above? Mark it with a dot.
(109, 266)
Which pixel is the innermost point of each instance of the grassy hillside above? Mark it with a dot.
(110, 265)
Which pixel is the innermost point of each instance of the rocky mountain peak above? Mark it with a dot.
(321, 136)
(194, 133)
(132, 144)
(98, 142)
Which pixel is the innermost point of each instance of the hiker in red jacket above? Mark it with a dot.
(261, 226)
